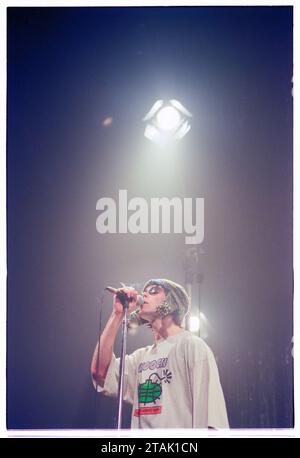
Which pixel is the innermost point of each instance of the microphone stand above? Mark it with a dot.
(125, 303)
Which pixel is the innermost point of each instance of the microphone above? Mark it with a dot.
(111, 289)
(134, 319)
(122, 295)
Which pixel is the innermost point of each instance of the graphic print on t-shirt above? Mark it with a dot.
(150, 392)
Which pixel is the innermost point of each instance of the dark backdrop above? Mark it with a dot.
(68, 70)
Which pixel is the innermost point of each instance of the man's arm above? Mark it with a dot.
(100, 366)
(102, 356)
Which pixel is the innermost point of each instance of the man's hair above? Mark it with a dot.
(177, 299)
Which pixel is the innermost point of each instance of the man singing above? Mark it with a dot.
(173, 383)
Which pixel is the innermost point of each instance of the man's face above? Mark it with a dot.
(153, 296)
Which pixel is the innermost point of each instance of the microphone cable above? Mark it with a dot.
(100, 310)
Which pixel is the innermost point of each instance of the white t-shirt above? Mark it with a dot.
(171, 384)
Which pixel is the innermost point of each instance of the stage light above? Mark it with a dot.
(167, 122)
(198, 324)
(194, 323)
(168, 118)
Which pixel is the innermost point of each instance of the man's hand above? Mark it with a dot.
(132, 296)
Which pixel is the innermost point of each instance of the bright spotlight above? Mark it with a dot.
(199, 324)
(167, 121)
(194, 323)
(168, 118)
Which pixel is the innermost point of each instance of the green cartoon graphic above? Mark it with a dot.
(151, 389)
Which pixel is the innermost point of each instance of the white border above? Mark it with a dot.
(143, 433)
(296, 219)
(158, 433)
(3, 224)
